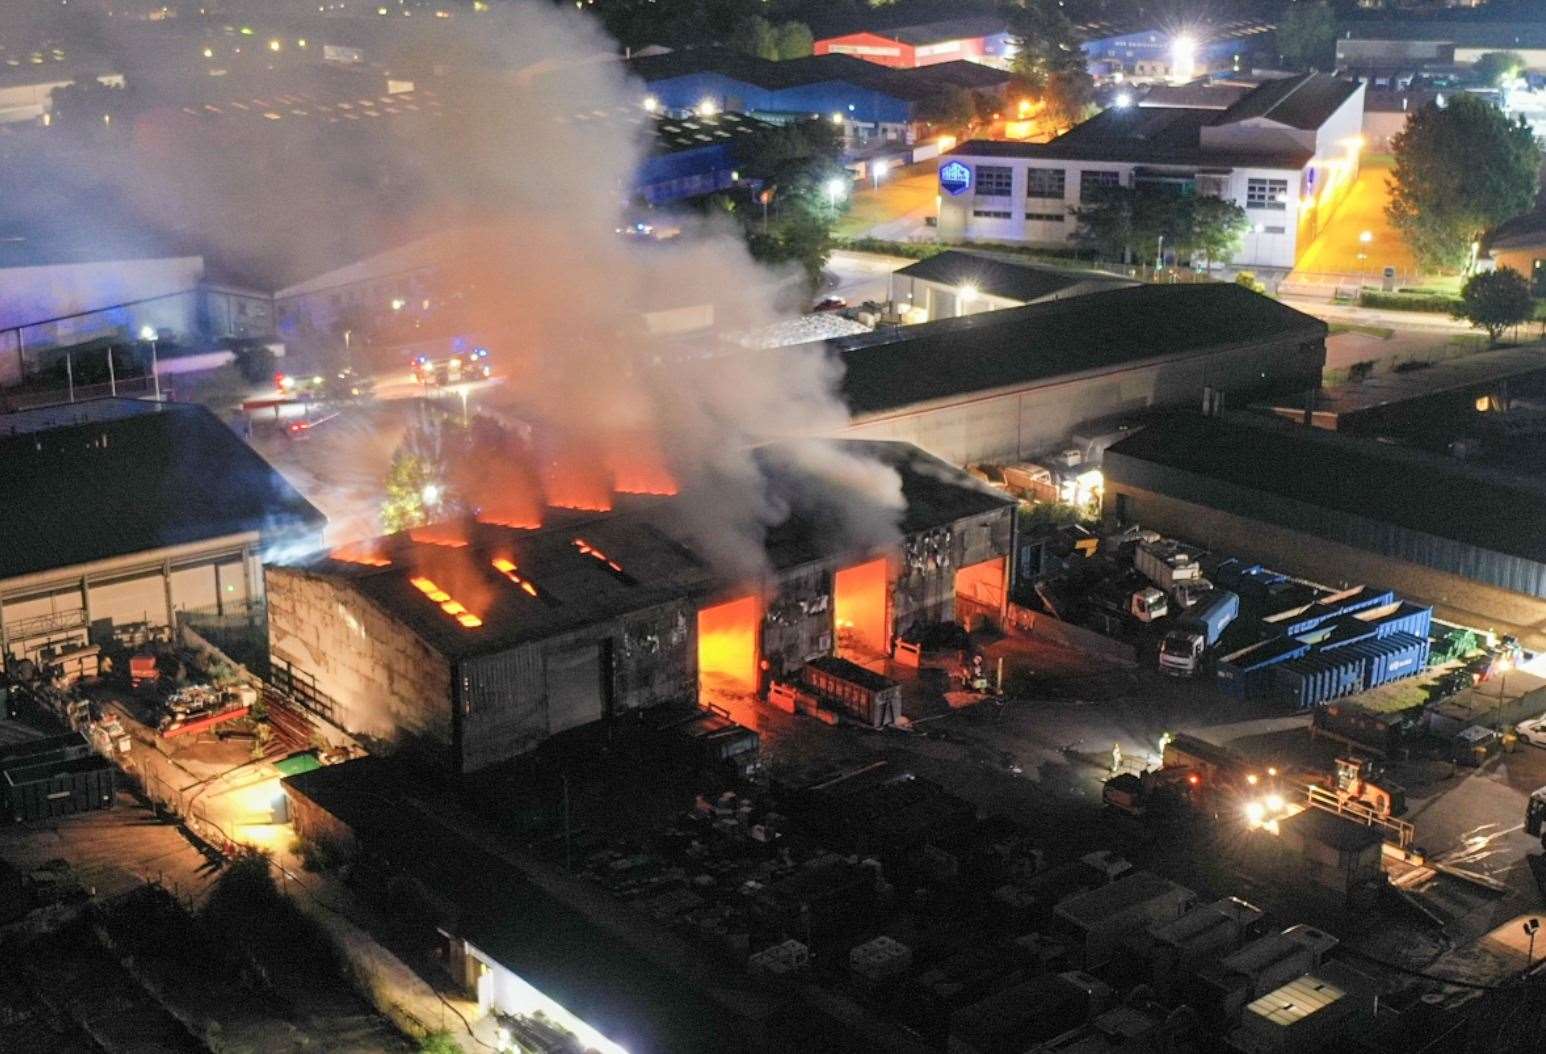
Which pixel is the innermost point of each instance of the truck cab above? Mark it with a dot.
(1179, 652)
(1149, 604)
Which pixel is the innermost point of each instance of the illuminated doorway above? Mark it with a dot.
(859, 609)
(727, 645)
(980, 592)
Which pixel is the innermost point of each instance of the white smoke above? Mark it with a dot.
(522, 168)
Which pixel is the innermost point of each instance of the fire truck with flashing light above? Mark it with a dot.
(453, 369)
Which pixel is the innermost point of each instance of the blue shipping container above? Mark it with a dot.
(1344, 603)
(1342, 632)
(1407, 618)
(1318, 678)
(1248, 672)
(1394, 657)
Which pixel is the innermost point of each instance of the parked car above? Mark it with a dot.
(829, 303)
(1533, 731)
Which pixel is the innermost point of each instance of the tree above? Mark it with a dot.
(417, 483)
(794, 40)
(87, 104)
(952, 106)
(792, 223)
(1217, 228)
(1460, 170)
(1105, 223)
(1498, 68)
(1307, 36)
(1496, 300)
(1135, 224)
(1049, 61)
(755, 36)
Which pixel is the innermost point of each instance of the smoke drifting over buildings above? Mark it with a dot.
(516, 160)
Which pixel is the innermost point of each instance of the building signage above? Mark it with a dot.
(955, 178)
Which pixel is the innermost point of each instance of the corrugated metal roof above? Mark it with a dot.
(118, 485)
(1090, 334)
(1008, 278)
(572, 589)
(1295, 1001)
(1405, 503)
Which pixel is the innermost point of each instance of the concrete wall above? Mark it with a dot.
(1018, 424)
(388, 685)
(1454, 597)
(505, 710)
(70, 604)
(105, 298)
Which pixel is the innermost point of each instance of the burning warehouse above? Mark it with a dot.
(477, 641)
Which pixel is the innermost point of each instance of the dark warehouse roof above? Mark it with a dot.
(1375, 481)
(575, 589)
(1304, 102)
(589, 972)
(1094, 333)
(1174, 134)
(131, 479)
(906, 84)
(1007, 278)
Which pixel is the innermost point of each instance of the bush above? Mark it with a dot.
(439, 1042)
(1436, 302)
(1250, 281)
(256, 363)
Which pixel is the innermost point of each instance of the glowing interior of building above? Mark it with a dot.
(859, 608)
(980, 589)
(727, 644)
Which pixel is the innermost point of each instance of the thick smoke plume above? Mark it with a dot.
(518, 162)
(567, 299)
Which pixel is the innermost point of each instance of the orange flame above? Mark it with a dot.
(596, 554)
(449, 533)
(507, 568)
(365, 552)
(638, 467)
(573, 477)
(451, 607)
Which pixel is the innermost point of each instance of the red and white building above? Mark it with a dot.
(975, 39)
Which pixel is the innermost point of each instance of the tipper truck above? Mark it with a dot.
(1196, 630)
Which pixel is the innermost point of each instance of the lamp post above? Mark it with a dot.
(1530, 928)
(835, 188)
(149, 333)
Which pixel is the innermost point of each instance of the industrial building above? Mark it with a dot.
(955, 283)
(128, 516)
(979, 38)
(1340, 509)
(1006, 385)
(508, 944)
(1411, 44)
(870, 102)
(473, 643)
(1148, 53)
(1285, 152)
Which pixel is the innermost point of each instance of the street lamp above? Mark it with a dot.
(1530, 927)
(430, 494)
(965, 294)
(836, 188)
(878, 168)
(1183, 59)
(148, 332)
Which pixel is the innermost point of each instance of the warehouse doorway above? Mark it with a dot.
(980, 593)
(576, 686)
(727, 646)
(859, 610)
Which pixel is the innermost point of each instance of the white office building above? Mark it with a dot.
(1285, 151)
